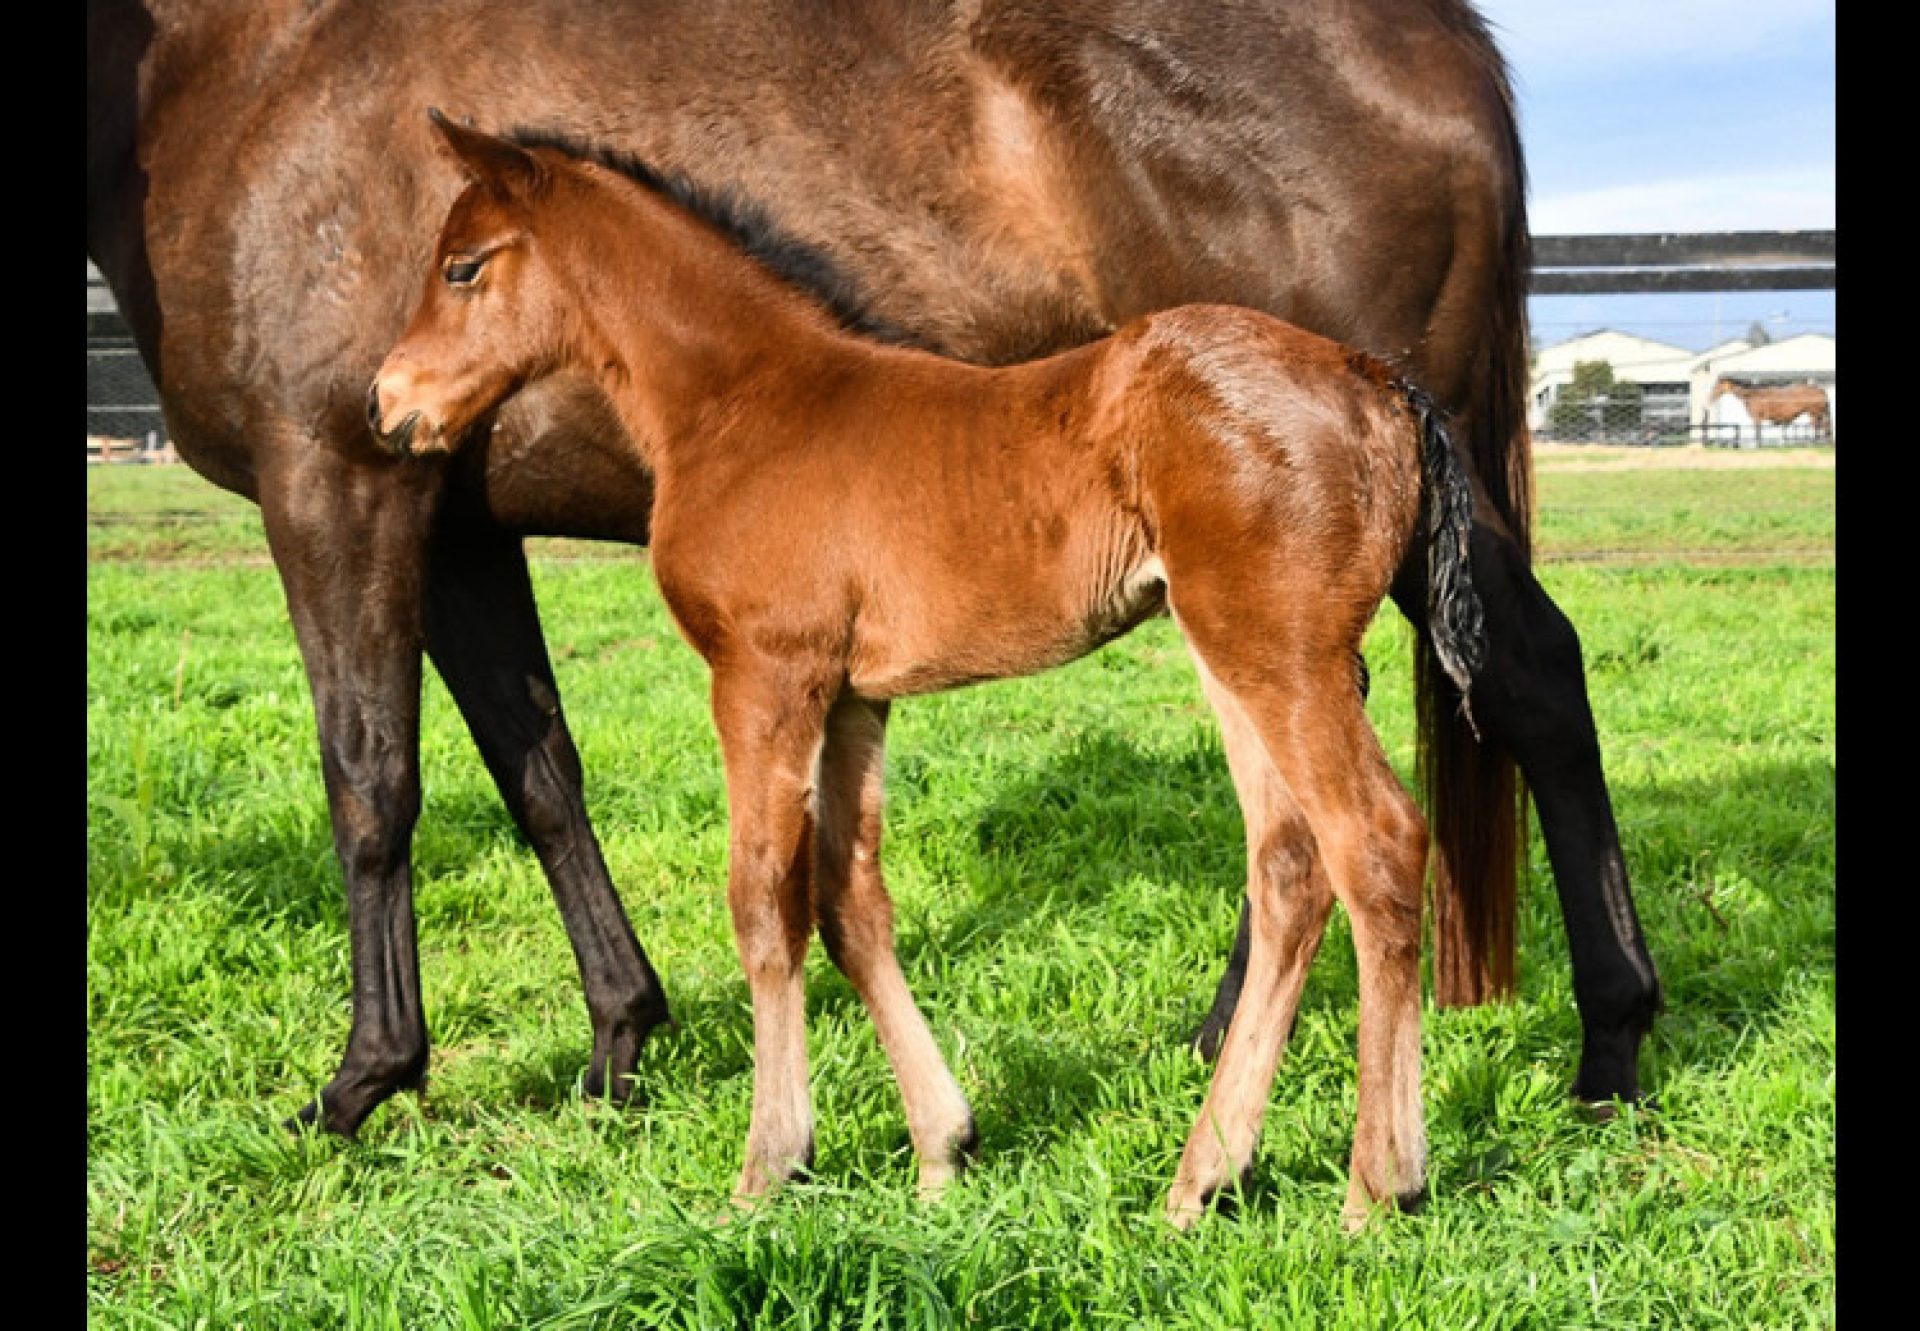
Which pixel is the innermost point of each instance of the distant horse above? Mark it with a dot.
(994, 180)
(837, 523)
(1782, 406)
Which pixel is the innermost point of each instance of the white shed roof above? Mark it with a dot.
(1808, 353)
(1731, 347)
(1637, 359)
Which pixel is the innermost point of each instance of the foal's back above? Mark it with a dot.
(944, 523)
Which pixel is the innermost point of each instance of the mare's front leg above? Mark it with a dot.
(771, 715)
(483, 632)
(856, 924)
(348, 536)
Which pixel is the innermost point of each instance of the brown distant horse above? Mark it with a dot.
(837, 524)
(1780, 405)
(994, 180)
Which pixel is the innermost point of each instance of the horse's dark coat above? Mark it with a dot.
(998, 179)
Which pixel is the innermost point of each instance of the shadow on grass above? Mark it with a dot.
(707, 1046)
(285, 868)
(1728, 877)
(1732, 875)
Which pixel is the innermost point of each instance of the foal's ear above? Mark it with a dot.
(495, 163)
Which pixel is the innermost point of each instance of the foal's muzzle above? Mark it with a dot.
(400, 441)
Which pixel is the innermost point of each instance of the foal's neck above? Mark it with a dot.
(687, 335)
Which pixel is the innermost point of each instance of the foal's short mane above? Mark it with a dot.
(747, 225)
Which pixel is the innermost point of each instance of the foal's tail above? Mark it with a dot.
(1455, 622)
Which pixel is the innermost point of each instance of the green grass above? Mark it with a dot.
(1065, 855)
(167, 513)
(1703, 516)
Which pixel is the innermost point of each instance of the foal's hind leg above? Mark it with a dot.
(1378, 875)
(856, 924)
(1372, 843)
(770, 721)
(1212, 1031)
(1289, 896)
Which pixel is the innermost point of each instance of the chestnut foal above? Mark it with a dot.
(839, 523)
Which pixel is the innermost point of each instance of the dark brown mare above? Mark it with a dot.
(992, 180)
(838, 523)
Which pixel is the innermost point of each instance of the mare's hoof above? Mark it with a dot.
(315, 1117)
(612, 1074)
(1605, 1111)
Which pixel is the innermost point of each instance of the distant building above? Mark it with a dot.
(1703, 395)
(1661, 369)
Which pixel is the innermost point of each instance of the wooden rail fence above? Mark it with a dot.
(118, 390)
(1683, 261)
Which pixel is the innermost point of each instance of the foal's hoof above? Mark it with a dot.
(1360, 1210)
(960, 1155)
(1185, 1206)
(1190, 1199)
(764, 1172)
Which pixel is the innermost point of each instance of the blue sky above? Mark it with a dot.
(1675, 115)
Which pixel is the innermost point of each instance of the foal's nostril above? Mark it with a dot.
(373, 408)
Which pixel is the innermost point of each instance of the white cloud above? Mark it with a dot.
(1767, 201)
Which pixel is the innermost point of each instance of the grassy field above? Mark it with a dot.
(1066, 859)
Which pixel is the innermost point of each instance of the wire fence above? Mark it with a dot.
(1647, 421)
(123, 407)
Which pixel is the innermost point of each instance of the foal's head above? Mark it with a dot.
(492, 315)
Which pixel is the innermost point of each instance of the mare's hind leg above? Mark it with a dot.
(483, 632)
(856, 924)
(770, 717)
(1290, 897)
(1372, 845)
(1531, 696)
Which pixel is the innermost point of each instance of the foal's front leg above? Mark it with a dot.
(770, 721)
(856, 923)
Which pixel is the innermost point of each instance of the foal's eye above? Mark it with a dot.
(461, 272)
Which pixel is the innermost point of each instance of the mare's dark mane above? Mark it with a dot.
(744, 222)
